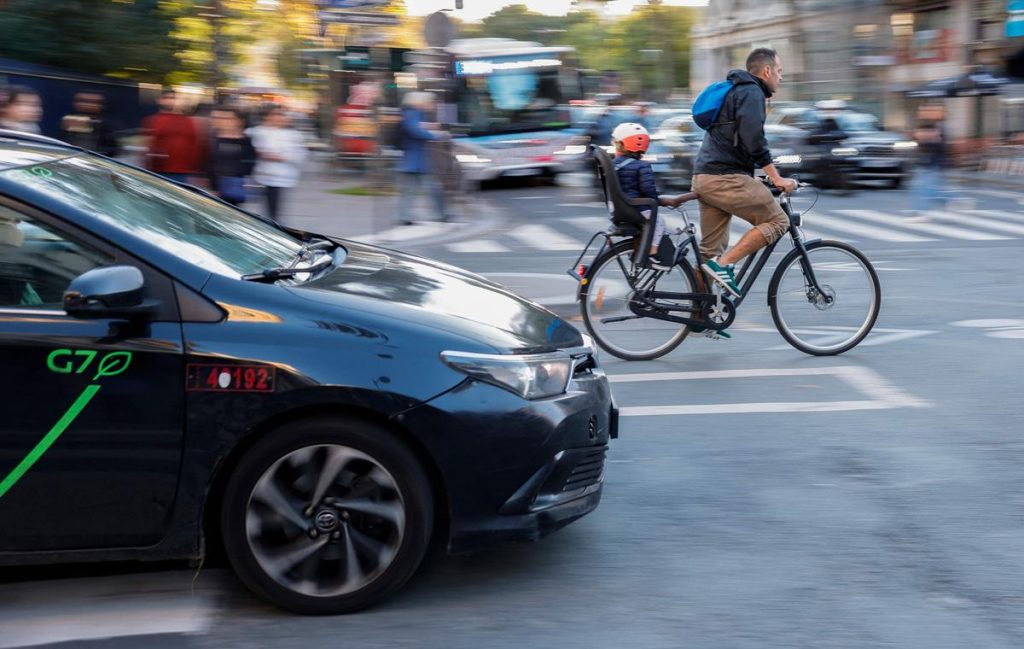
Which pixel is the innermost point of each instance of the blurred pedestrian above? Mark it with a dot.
(280, 153)
(88, 127)
(415, 177)
(175, 149)
(21, 109)
(232, 155)
(931, 160)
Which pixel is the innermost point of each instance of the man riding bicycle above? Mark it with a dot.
(724, 171)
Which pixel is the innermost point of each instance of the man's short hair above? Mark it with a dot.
(761, 57)
(168, 92)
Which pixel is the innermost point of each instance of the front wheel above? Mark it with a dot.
(835, 314)
(327, 515)
(605, 305)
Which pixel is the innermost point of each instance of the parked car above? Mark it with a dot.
(186, 375)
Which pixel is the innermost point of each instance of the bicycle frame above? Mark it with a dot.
(648, 305)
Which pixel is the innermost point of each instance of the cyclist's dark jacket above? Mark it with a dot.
(738, 147)
(636, 177)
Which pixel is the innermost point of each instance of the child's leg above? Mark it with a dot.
(659, 231)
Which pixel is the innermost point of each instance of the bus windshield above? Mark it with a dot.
(509, 100)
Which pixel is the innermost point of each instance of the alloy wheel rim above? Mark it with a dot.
(325, 520)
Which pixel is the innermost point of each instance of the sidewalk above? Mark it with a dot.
(313, 206)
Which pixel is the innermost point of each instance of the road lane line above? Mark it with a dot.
(883, 394)
(477, 246)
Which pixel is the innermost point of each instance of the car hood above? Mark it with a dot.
(435, 294)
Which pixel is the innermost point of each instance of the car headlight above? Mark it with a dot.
(788, 160)
(909, 144)
(844, 151)
(471, 158)
(531, 376)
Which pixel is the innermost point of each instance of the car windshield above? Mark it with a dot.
(518, 99)
(857, 122)
(198, 229)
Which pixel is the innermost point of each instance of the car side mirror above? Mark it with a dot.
(109, 292)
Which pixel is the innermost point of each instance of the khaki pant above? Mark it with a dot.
(739, 194)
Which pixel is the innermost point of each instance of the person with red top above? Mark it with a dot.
(175, 146)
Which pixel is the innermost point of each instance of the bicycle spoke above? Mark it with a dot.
(613, 287)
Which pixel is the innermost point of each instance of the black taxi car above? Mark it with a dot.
(180, 373)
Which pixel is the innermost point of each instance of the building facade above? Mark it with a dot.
(872, 53)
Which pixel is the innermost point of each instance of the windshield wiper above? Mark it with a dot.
(274, 274)
(321, 244)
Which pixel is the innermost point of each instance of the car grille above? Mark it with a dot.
(879, 151)
(588, 470)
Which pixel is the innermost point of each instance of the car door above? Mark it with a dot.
(92, 427)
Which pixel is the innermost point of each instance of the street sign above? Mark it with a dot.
(358, 18)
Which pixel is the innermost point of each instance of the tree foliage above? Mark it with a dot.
(650, 46)
(123, 38)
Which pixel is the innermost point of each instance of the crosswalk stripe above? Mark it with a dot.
(1017, 217)
(590, 223)
(987, 221)
(860, 229)
(892, 220)
(477, 246)
(544, 238)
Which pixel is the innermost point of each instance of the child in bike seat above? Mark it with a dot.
(636, 178)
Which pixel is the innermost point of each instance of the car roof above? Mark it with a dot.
(25, 150)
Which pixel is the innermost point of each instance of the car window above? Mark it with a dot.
(790, 119)
(37, 262)
(857, 122)
(198, 229)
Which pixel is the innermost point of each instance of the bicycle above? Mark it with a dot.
(824, 296)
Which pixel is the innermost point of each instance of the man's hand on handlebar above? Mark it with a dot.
(787, 185)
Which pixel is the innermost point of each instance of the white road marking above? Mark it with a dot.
(590, 205)
(882, 393)
(543, 237)
(878, 335)
(999, 214)
(525, 198)
(88, 609)
(860, 229)
(407, 232)
(549, 289)
(893, 220)
(590, 223)
(477, 246)
(983, 221)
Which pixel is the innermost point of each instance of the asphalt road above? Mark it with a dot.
(884, 508)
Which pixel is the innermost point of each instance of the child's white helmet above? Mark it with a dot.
(631, 137)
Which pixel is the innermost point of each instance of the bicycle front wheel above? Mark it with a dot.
(606, 297)
(837, 317)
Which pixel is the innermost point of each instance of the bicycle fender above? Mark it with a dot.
(795, 252)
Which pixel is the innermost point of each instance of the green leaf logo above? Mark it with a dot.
(113, 364)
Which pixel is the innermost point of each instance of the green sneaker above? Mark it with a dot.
(724, 275)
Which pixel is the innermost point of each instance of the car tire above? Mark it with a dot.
(359, 542)
(896, 183)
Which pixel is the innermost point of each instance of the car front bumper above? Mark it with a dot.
(515, 470)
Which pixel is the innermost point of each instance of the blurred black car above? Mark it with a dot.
(871, 153)
(186, 375)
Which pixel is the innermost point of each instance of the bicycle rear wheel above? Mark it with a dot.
(837, 318)
(605, 300)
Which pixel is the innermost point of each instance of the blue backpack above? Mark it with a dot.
(709, 103)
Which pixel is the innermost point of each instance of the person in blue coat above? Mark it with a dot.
(414, 174)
